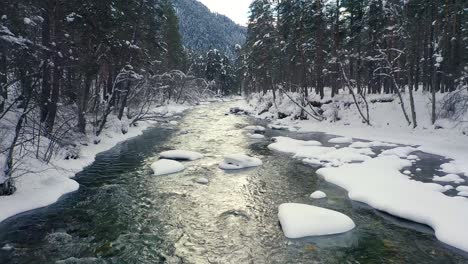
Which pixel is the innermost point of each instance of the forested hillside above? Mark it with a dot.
(203, 30)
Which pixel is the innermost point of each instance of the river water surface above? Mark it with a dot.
(124, 214)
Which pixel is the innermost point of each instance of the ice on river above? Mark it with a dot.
(165, 166)
(181, 155)
(302, 220)
(379, 183)
(239, 161)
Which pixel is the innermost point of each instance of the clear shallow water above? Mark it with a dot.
(123, 214)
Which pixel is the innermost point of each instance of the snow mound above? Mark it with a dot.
(302, 220)
(379, 183)
(318, 195)
(255, 128)
(292, 146)
(412, 157)
(256, 136)
(340, 140)
(371, 144)
(181, 155)
(462, 188)
(401, 152)
(464, 194)
(451, 168)
(239, 161)
(165, 166)
(449, 178)
(407, 172)
(202, 180)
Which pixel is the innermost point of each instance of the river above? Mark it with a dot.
(124, 214)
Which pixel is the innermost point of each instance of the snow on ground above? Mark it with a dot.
(301, 220)
(239, 161)
(318, 195)
(340, 140)
(165, 166)
(181, 155)
(379, 183)
(44, 184)
(449, 178)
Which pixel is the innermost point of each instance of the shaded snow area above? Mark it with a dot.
(165, 166)
(239, 161)
(384, 182)
(181, 155)
(41, 184)
(301, 220)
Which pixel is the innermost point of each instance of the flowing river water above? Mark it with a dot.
(124, 214)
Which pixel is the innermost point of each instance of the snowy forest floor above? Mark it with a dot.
(448, 137)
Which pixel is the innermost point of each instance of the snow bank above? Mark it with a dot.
(181, 155)
(301, 220)
(379, 183)
(318, 195)
(239, 161)
(449, 178)
(340, 140)
(165, 166)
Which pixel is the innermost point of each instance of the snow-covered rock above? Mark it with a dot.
(239, 161)
(181, 155)
(302, 220)
(412, 157)
(448, 178)
(255, 128)
(202, 180)
(401, 152)
(165, 166)
(256, 136)
(407, 172)
(7, 247)
(174, 123)
(340, 140)
(318, 195)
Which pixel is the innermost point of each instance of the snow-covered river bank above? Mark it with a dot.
(123, 213)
